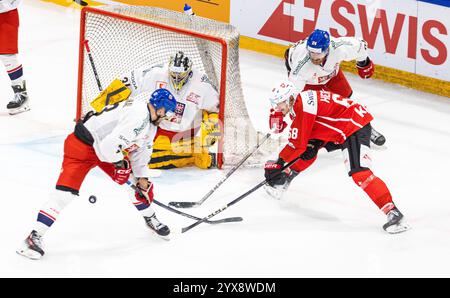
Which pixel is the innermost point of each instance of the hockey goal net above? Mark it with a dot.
(121, 38)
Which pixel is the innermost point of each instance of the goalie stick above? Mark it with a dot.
(223, 220)
(185, 229)
(94, 69)
(196, 204)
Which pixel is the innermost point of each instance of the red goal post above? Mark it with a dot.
(121, 38)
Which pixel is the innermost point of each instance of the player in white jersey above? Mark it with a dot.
(119, 141)
(9, 31)
(184, 140)
(313, 64)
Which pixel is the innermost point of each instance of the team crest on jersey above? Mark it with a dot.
(132, 148)
(179, 111)
(194, 98)
(160, 84)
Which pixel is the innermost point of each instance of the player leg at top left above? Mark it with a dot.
(9, 27)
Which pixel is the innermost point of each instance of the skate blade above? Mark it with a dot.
(398, 228)
(166, 238)
(18, 110)
(29, 253)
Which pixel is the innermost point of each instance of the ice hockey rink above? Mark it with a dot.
(325, 226)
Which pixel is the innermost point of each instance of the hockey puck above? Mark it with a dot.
(92, 199)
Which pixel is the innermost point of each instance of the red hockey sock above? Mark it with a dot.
(375, 188)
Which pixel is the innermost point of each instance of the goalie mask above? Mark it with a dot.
(180, 69)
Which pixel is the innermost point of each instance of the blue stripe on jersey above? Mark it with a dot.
(437, 2)
(45, 219)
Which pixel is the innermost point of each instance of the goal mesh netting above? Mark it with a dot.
(122, 38)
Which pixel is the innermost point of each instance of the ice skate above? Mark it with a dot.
(395, 222)
(377, 138)
(32, 246)
(20, 102)
(156, 226)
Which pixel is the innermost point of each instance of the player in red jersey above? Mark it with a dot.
(326, 119)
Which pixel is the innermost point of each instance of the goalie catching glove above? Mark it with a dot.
(210, 130)
(114, 93)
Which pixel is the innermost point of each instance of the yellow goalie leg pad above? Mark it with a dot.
(114, 93)
(202, 157)
(167, 155)
(186, 152)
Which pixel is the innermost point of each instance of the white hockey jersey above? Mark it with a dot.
(7, 5)
(127, 127)
(341, 49)
(196, 95)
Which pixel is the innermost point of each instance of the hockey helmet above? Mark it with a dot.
(318, 42)
(180, 69)
(162, 98)
(282, 92)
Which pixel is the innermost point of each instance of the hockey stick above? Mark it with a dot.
(196, 204)
(223, 220)
(185, 229)
(94, 69)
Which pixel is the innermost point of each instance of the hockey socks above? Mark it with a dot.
(13, 68)
(51, 209)
(375, 188)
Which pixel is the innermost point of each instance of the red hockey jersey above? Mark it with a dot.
(324, 116)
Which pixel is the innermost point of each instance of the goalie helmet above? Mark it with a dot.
(162, 98)
(318, 42)
(180, 69)
(281, 93)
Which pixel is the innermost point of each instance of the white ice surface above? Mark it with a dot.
(324, 227)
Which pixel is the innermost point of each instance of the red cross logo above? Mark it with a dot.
(300, 16)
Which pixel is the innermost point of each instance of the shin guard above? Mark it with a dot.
(375, 188)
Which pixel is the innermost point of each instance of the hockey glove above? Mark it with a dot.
(276, 121)
(145, 192)
(122, 171)
(311, 149)
(366, 68)
(272, 172)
